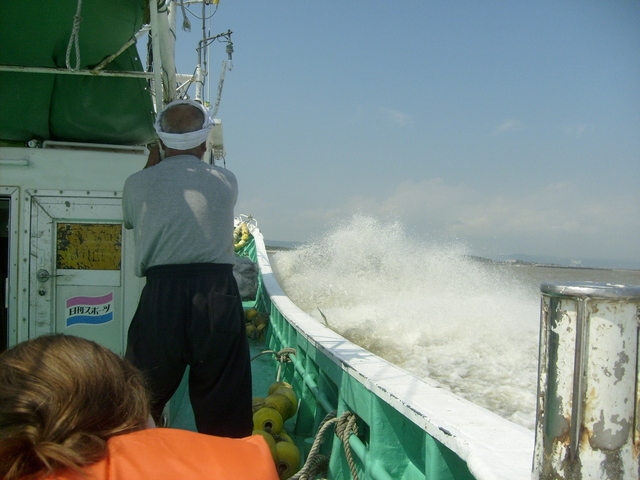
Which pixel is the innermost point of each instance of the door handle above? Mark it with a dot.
(43, 275)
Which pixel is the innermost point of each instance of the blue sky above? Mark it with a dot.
(508, 126)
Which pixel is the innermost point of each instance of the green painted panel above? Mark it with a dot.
(68, 107)
(394, 446)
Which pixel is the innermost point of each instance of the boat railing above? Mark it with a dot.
(407, 427)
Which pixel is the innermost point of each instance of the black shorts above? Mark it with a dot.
(192, 315)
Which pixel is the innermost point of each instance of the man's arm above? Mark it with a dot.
(126, 217)
(154, 156)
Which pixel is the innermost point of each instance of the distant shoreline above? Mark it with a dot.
(575, 267)
(276, 246)
(524, 263)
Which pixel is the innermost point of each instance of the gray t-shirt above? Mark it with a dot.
(181, 211)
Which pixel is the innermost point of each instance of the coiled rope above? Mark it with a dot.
(74, 39)
(345, 426)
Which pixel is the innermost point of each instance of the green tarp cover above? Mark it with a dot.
(92, 109)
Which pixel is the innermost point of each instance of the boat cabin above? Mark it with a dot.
(67, 261)
(76, 110)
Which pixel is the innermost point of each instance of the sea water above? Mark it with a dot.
(431, 308)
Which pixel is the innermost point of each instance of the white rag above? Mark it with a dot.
(188, 140)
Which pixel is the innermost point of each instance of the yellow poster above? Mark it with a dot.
(89, 246)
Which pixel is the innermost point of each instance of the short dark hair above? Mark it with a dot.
(182, 118)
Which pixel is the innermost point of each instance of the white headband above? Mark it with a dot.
(188, 140)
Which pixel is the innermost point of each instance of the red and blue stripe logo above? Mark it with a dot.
(90, 310)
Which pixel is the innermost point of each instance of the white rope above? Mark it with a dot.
(74, 39)
(220, 84)
(186, 24)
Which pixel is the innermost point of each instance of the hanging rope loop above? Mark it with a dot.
(74, 39)
(186, 24)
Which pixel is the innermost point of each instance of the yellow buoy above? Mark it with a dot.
(283, 436)
(270, 441)
(281, 403)
(257, 403)
(260, 319)
(289, 393)
(288, 462)
(251, 330)
(267, 419)
(276, 385)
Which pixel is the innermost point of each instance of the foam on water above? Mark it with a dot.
(428, 308)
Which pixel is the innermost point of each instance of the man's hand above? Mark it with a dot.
(154, 156)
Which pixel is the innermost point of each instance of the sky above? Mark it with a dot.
(507, 126)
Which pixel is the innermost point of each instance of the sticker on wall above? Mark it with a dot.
(90, 310)
(89, 246)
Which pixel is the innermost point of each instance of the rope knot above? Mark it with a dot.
(283, 355)
(346, 425)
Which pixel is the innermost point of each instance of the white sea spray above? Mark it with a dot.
(429, 308)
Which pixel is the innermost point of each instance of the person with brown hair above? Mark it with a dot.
(72, 409)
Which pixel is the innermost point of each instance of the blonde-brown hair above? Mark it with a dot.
(61, 398)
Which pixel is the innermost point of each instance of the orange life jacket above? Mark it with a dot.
(171, 454)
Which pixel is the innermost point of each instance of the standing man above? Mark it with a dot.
(190, 312)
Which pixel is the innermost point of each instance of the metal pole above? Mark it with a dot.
(588, 405)
(157, 60)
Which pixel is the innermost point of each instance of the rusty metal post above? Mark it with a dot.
(588, 407)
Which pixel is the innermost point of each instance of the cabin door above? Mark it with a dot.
(80, 264)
